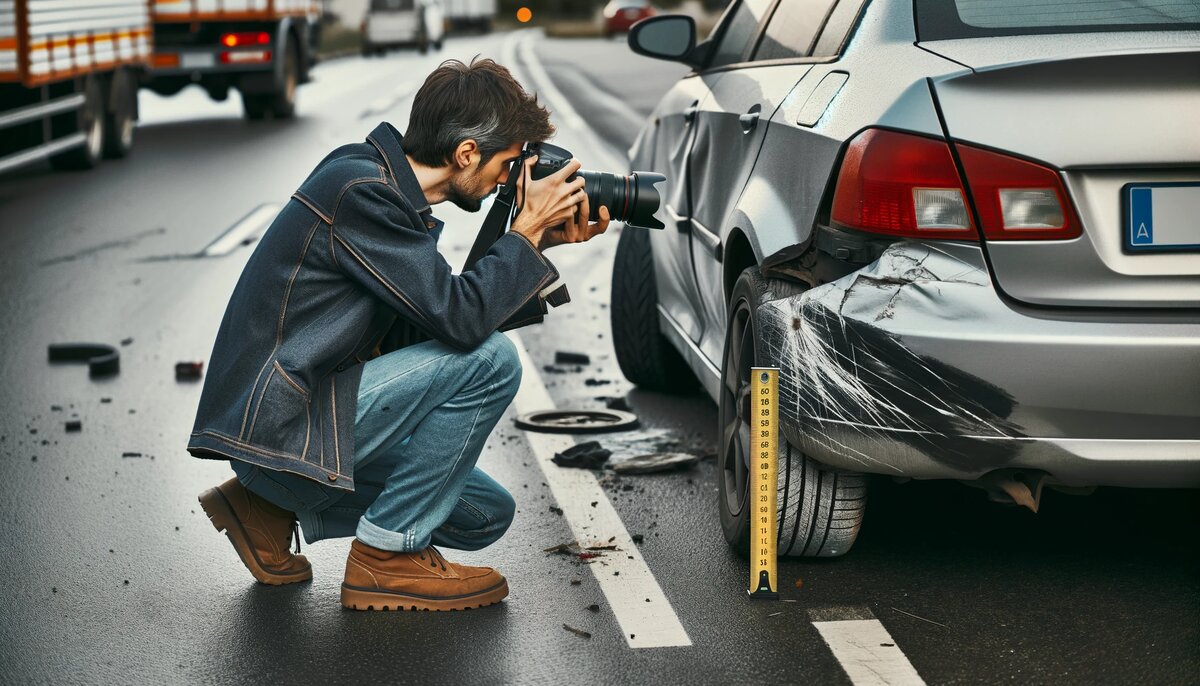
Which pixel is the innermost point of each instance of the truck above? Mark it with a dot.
(69, 72)
(470, 15)
(262, 48)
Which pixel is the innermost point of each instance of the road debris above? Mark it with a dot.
(616, 403)
(102, 360)
(580, 552)
(556, 510)
(106, 401)
(567, 357)
(578, 632)
(576, 580)
(577, 421)
(188, 371)
(774, 614)
(799, 583)
(554, 369)
(126, 341)
(657, 462)
(638, 538)
(920, 618)
(130, 454)
(593, 607)
(596, 382)
(587, 455)
(74, 426)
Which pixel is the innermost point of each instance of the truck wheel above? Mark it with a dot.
(820, 509)
(89, 119)
(255, 106)
(645, 356)
(120, 116)
(283, 103)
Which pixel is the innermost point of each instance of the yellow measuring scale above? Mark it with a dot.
(764, 470)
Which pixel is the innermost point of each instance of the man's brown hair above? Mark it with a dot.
(482, 102)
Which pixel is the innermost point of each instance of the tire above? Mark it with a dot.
(645, 356)
(120, 116)
(283, 102)
(820, 509)
(89, 119)
(255, 106)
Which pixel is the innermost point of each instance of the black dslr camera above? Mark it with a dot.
(634, 199)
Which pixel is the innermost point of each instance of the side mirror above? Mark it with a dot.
(667, 37)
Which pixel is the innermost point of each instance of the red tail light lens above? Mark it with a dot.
(241, 40)
(1017, 200)
(901, 184)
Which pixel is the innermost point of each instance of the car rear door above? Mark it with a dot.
(731, 127)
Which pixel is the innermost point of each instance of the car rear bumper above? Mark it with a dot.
(914, 366)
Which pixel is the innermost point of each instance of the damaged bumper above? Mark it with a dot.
(913, 366)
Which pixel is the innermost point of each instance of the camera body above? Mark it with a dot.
(635, 199)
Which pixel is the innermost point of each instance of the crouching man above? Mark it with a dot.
(326, 435)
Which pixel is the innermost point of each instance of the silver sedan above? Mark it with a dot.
(966, 231)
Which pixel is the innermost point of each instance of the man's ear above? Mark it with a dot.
(464, 153)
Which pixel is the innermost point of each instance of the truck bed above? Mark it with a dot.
(42, 42)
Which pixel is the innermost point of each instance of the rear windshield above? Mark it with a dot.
(942, 19)
(391, 5)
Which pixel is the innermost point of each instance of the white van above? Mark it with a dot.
(402, 23)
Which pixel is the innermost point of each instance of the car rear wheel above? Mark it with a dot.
(820, 509)
(643, 353)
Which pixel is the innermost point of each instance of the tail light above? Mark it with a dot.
(906, 185)
(901, 185)
(246, 57)
(1017, 200)
(242, 40)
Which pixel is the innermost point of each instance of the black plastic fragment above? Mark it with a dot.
(188, 371)
(587, 455)
(567, 357)
(102, 360)
(74, 426)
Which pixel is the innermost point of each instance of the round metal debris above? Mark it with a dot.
(577, 421)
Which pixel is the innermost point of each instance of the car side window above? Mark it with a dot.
(740, 27)
(792, 29)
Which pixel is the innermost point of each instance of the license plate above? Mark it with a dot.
(1162, 217)
(196, 60)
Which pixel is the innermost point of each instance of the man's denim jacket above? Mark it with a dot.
(353, 249)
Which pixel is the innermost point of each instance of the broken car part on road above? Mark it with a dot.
(576, 421)
(102, 360)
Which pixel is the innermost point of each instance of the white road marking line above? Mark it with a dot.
(646, 617)
(560, 105)
(248, 226)
(867, 652)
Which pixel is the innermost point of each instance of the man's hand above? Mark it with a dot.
(548, 212)
(577, 229)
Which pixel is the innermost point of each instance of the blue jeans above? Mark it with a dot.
(424, 413)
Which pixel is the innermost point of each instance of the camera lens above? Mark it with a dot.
(633, 199)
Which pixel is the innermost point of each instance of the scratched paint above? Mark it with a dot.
(852, 387)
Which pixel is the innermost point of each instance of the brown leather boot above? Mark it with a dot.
(259, 531)
(384, 580)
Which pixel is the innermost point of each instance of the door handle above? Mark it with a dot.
(689, 115)
(748, 121)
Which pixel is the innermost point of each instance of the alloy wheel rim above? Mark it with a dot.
(734, 409)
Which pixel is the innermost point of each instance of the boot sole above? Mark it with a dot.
(220, 513)
(354, 598)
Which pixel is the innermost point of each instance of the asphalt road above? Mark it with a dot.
(111, 574)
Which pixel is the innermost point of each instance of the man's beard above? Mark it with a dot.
(468, 194)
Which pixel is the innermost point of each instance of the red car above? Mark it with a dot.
(619, 15)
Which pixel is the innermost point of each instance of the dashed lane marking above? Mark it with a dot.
(867, 652)
(646, 617)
